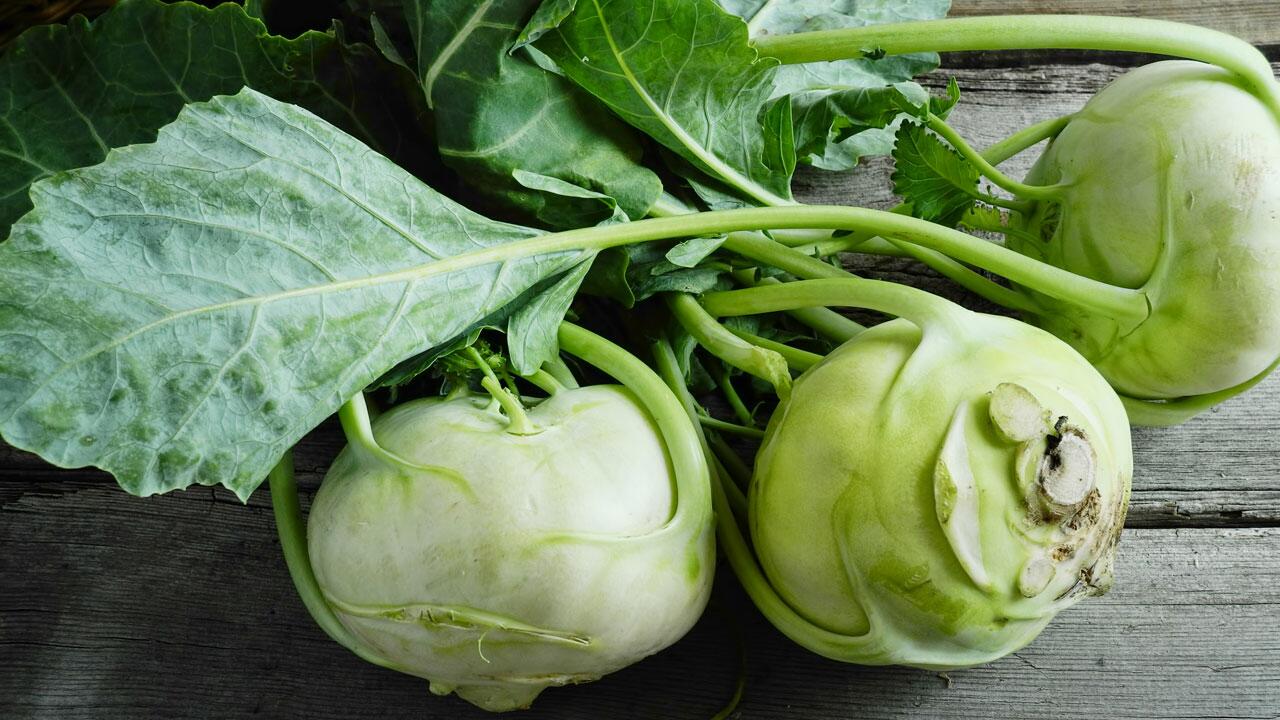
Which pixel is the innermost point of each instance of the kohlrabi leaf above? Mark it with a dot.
(681, 71)
(833, 130)
(633, 273)
(531, 332)
(70, 93)
(834, 89)
(497, 113)
(185, 311)
(937, 182)
(588, 207)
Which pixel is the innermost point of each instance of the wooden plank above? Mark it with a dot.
(180, 606)
(1257, 21)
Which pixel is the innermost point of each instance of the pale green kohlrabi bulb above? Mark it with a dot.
(1170, 182)
(495, 564)
(934, 499)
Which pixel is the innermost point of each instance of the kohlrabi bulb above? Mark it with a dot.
(497, 564)
(1170, 182)
(936, 497)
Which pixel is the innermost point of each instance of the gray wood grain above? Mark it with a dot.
(180, 606)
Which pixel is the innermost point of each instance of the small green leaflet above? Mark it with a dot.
(937, 182)
(70, 93)
(682, 72)
(185, 311)
(693, 251)
(531, 332)
(498, 114)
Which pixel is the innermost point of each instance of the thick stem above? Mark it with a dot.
(545, 381)
(1022, 190)
(518, 422)
(915, 305)
(560, 371)
(717, 340)
(1025, 138)
(1032, 32)
(734, 545)
(974, 282)
(827, 323)
(680, 432)
(796, 358)
(1127, 306)
(293, 544)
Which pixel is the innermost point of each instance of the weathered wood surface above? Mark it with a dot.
(180, 606)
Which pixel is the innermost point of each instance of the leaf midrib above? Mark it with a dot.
(450, 49)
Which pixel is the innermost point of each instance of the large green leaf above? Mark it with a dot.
(498, 114)
(837, 121)
(682, 72)
(70, 93)
(187, 310)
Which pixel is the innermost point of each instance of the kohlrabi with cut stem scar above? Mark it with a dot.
(1166, 183)
(936, 489)
(497, 550)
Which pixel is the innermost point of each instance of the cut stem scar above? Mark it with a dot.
(518, 422)
(1068, 471)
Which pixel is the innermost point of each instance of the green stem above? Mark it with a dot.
(518, 422)
(764, 364)
(293, 544)
(1022, 190)
(1025, 138)
(1014, 205)
(975, 283)
(1031, 32)
(863, 244)
(734, 545)
(545, 381)
(558, 369)
(680, 433)
(827, 323)
(737, 498)
(903, 301)
(736, 469)
(1127, 306)
(796, 358)
(731, 396)
(731, 428)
